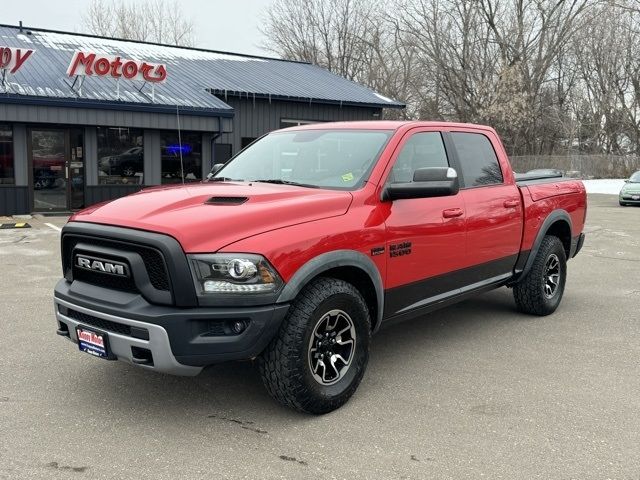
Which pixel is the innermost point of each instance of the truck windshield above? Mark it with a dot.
(338, 159)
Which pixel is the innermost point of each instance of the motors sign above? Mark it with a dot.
(11, 59)
(90, 63)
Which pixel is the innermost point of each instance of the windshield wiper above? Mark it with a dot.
(223, 179)
(279, 181)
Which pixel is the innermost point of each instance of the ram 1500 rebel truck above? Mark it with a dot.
(300, 247)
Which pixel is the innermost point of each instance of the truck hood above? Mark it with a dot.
(205, 217)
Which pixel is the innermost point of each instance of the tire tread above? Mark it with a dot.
(282, 363)
(528, 293)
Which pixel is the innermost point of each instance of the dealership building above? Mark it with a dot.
(85, 119)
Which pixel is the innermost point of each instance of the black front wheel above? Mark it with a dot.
(541, 290)
(317, 360)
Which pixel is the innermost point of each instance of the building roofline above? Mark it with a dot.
(26, 29)
(114, 105)
(266, 96)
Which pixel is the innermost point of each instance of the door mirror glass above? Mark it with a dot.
(427, 182)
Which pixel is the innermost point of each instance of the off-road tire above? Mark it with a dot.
(529, 292)
(284, 365)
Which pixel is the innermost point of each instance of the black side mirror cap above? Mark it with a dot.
(427, 182)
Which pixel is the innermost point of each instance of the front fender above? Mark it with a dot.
(327, 261)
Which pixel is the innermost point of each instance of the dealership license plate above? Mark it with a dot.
(93, 342)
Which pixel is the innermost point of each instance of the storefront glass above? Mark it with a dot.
(7, 176)
(49, 170)
(171, 147)
(57, 157)
(120, 156)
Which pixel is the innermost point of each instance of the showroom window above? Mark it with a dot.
(120, 156)
(172, 149)
(7, 176)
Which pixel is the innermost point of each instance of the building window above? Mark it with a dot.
(221, 152)
(7, 175)
(246, 141)
(188, 148)
(120, 156)
(288, 122)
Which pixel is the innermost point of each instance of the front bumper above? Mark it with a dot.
(179, 341)
(628, 198)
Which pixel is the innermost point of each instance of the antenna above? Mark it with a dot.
(180, 145)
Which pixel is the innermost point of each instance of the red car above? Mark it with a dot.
(299, 248)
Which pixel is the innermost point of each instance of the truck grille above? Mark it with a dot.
(152, 259)
(107, 281)
(99, 323)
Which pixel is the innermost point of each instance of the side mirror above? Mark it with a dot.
(427, 182)
(216, 168)
(626, 181)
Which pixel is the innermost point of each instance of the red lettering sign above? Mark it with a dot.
(13, 58)
(89, 63)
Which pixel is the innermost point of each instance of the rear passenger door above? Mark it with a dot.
(425, 236)
(493, 207)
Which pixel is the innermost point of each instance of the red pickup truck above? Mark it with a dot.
(299, 248)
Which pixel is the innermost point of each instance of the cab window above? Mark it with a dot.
(478, 160)
(421, 150)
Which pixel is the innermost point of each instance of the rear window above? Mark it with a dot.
(477, 159)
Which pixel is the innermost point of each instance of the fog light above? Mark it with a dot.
(238, 327)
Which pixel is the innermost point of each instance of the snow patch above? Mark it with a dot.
(382, 97)
(70, 42)
(24, 38)
(606, 186)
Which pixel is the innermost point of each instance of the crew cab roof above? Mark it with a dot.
(388, 125)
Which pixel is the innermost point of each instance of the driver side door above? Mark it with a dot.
(426, 237)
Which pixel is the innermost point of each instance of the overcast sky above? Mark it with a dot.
(228, 25)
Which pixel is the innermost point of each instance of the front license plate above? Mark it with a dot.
(93, 342)
(635, 197)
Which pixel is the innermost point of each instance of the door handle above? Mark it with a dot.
(511, 203)
(452, 212)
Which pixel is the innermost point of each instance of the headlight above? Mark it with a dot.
(231, 273)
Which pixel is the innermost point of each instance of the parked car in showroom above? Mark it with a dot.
(630, 192)
(125, 164)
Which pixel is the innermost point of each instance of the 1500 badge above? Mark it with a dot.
(400, 249)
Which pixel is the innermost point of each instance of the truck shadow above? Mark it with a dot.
(233, 393)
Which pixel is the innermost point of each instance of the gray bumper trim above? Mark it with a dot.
(163, 359)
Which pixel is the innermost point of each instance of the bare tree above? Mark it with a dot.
(327, 33)
(357, 39)
(609, 68)
(553, 76)
(154, 21)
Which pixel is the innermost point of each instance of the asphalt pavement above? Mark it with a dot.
(475, 390)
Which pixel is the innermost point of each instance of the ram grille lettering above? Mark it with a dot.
(98, 265)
